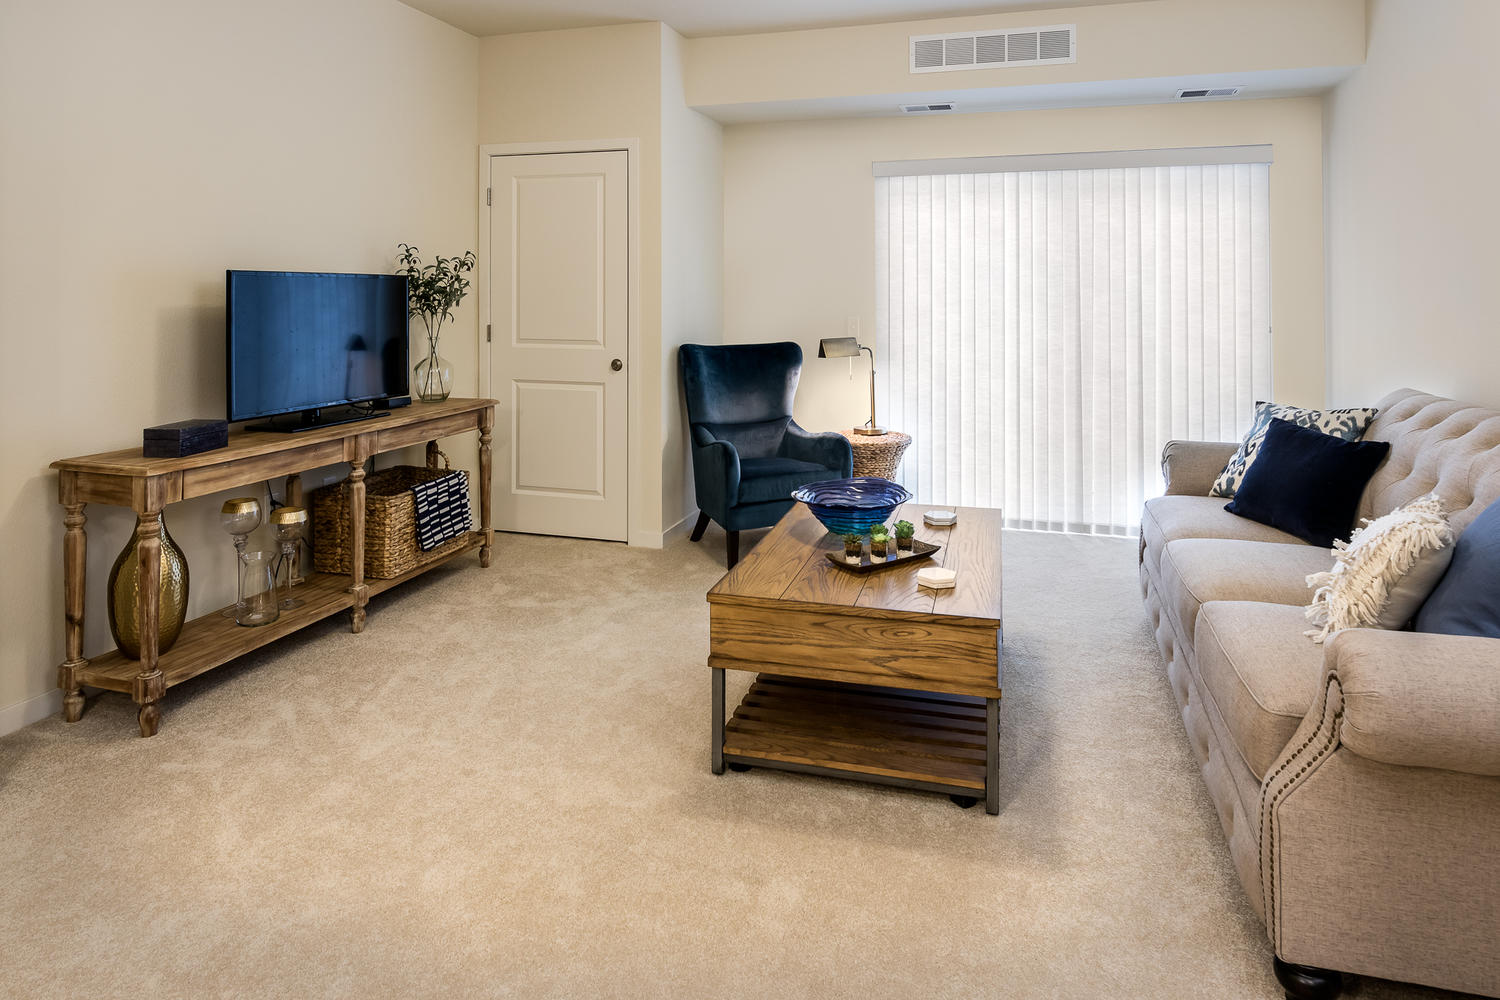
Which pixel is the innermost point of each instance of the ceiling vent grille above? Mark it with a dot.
(917, 109)
(1191, 95)
(993, 49)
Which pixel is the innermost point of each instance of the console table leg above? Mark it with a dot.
(149, 719)
(992, 756)
(716, 757)
(486, 486)
(75, 545)
(148, 686)
(357, 553)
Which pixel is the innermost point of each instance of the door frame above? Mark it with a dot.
(632, 150)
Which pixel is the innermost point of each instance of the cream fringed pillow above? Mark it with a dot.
(1381, 576)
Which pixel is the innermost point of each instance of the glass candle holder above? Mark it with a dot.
(239, 516)
(258, 603)
(290, 522)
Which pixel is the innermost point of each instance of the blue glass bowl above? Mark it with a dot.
(852, 506)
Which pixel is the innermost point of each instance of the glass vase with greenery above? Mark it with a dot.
(854, 547)
(433, 292)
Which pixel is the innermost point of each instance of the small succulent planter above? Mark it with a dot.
(905, 531)
(880, 545)
(854, 548)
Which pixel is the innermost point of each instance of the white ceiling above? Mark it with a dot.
(710, 17)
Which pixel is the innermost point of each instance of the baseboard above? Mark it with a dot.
(681, 529)
(24, 713)
(637, 539)
(659, 539)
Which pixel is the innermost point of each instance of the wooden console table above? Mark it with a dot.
(148, 485)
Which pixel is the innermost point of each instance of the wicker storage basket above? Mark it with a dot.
(390, 524)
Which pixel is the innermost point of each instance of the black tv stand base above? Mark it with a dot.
(312, 419)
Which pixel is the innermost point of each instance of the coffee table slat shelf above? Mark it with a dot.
(841, 739)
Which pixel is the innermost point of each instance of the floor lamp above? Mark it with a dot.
(849, 347)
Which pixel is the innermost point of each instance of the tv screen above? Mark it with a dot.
(305, 341)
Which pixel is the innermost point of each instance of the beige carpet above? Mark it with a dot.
(502, 789)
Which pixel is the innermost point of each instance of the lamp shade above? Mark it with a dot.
(838, 347)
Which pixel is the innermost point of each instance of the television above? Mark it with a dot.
(315, 346)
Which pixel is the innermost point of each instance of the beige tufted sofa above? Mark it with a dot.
(1358, 782)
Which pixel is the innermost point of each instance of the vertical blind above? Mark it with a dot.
(1042, 333)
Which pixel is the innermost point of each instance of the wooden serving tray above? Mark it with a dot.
(919, 550)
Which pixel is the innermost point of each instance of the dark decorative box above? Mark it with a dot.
(185, 437)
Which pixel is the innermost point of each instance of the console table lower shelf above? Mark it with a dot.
(215, 639)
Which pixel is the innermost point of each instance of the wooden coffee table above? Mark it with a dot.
(864, 676)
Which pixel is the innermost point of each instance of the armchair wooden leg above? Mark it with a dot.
(700, 527)
(732, 543)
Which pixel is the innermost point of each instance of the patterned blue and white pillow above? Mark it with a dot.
(1347, 425)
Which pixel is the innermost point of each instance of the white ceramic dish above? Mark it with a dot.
(936, 577)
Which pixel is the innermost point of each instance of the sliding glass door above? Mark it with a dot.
(1043, 332)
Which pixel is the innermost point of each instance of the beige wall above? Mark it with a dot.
(1412, 216)
(799, 222)
(1150, 39)
(598, 84)
(692, 263)
(146, 148)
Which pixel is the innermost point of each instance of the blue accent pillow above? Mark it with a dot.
(1307, 483)
(1466, 600)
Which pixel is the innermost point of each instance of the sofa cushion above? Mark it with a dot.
(1195, 571)
(1307, 482)
(1261, 672)
(1347, 425)
(1437, 445)
(1467, 599)
(1166, 519)
(1389, 567)
(763, 479)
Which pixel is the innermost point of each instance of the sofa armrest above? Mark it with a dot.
(1375, 866)
(1418, 699)
(829, 449)
(1190, 467)
(716, 473)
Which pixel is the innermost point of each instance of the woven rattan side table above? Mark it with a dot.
(877, 454)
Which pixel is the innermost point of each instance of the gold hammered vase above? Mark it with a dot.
(121, 595)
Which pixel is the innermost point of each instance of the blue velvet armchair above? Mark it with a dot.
(748, 453)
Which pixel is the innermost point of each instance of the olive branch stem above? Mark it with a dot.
(434, 290)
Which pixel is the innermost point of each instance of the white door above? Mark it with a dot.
(559, 317)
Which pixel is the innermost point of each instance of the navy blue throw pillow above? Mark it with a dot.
(1307, 483)
(1466, 600)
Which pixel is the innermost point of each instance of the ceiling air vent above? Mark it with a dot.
(993, 49)
(917, 109)
(1216, 92)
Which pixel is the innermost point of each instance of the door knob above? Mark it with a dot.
(616, 365)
